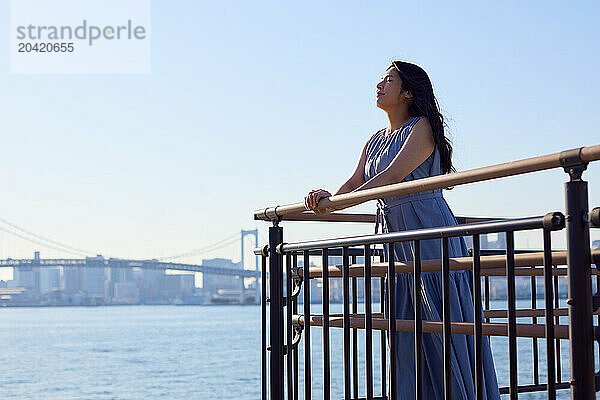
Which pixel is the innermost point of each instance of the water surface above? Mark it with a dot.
(174, 352)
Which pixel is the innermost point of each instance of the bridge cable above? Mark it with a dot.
(41, 243)
(215, 246)
(66, 246)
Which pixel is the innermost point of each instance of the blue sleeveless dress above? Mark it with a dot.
(416, 211)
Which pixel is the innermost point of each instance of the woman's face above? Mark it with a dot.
(389, 90)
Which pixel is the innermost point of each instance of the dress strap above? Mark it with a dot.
(409, 126)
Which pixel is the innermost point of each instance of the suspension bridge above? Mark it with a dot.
(81, 260)
(96, 262)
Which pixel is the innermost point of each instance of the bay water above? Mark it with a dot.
(180, 352)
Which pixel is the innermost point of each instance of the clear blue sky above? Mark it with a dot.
(253, 104)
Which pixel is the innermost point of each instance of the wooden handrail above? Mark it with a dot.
(539, 163)
(529, 272)
(334, 217)
(538, 312)
(523, 312)
(495, 264)
(368, 218)
(461, 328)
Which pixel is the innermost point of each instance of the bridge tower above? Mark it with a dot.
(255, 234)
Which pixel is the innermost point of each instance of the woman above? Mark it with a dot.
(414, 146)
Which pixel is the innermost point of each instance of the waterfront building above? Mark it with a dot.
(93, 282)
(115, 276)
(93, 278)
(212, 283)
(148, 281)
(71, 280)
(176, 286)
(126, 293)
(27, 277)
(49, 280)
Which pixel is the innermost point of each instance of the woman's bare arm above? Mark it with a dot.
(311, 201)
(416, 149)
(358, 176)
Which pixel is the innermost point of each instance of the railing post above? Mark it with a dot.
(263, 318)
(579, 278)
(276, 371)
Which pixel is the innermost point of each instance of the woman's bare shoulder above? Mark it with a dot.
(422, 127)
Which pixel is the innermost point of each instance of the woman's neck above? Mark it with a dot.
(397, 120)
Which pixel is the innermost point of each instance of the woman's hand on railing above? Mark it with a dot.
(311, 201)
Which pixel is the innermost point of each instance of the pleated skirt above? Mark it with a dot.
(426, 212)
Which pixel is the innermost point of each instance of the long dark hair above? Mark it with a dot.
(416, 81)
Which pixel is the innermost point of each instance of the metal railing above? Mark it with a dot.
(285, 330)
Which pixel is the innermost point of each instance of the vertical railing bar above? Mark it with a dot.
(368, 325)
(579, 284)
(417, 301)
(391, 276)
(512, 314)
(447, 329)
(346, 299)
(354, 336)
(549, 319)
(326, 354)
(263, 313)
(276, 318)
(477, 313)
(382, 332)
(557, 344)
(536, 375)
(295, 349)
(307, 352)
(288, 325)
(486, 294)
(598, 317)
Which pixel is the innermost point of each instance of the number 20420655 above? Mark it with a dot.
(46, 47)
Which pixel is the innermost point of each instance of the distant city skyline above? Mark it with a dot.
(99, 283)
